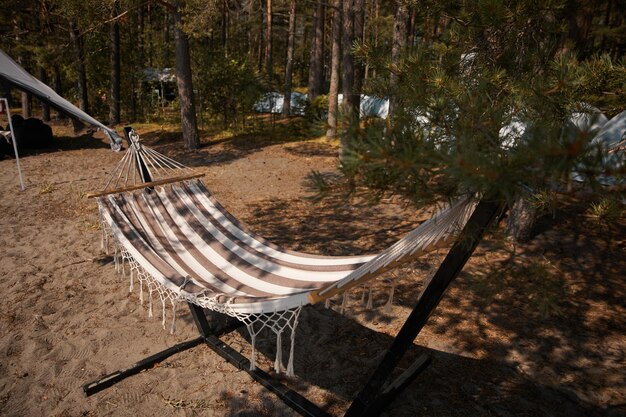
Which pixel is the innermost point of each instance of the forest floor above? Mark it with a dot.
(532, 330)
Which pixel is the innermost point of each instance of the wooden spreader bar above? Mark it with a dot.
(146, 185)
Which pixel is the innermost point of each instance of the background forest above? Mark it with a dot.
(479, 92)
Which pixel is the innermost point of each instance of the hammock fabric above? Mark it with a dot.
(183, 245)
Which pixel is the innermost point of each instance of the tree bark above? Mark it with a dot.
(45, 107)
(347, 62)
(521, 221)
(46, 30)
(289, 64)
(335, 60)
(359, 67)
(185, 85)
(317, 53)
(57, 86)
(26, 109)
(375, 29)
(25, 97)
(397, 47)
(268, 39)
(350, 116)
(224, 27)
(305, 40)
(581, 14)
(114, 57)
(79, 65)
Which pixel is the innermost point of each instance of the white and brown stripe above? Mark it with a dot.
(191, 245)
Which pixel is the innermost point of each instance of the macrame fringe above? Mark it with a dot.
(388, 305)
(278, 363)
(290, 371)
(344, 302)
(370, 298)
(253, 343)
(276, 321)
(163, 314)
(173, 327)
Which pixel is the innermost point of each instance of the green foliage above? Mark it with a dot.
(200, 17)
(317, 109)
(544, 202)
(459, 100)
(599, 80)
(229, 88)
(606, 211)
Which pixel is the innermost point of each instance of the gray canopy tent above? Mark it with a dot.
(18, 77)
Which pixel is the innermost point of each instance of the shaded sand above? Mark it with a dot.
(68, 318)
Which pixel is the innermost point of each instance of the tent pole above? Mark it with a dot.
(14, 140)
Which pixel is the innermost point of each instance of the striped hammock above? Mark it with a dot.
(181, 244)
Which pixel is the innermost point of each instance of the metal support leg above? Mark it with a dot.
(147, 363)
(367, 402)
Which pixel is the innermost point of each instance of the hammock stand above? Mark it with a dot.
(379, 391)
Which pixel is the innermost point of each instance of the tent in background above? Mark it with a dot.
(18, 77)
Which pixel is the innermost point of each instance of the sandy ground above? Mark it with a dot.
(67, 318)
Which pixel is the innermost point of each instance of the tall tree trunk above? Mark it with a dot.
(289, 64)
(224, 27)
(317, 53)
(581, 15)
(260, 51)
(26, 109)
(347, 67)
(45, 107)
(57, 86)
(268, 39)
(335, 61)
(305, 39)
(606, 23)
(347, 71)
(522, 219)
(24, 95)
(398, 45)
(79, 65)
(359, 67)
(114, 55)
(141, 61)
(185, 86)
(46, 30)
(410, 34)
(376, 28)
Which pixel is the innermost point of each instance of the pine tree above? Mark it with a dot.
(495, 64)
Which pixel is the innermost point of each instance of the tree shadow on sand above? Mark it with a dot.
(68, 143)
(230, 148)
(497, 358)
(335, 356)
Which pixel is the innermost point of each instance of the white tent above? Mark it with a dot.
(18, 77)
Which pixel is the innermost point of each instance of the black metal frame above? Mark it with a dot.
(378, 392)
